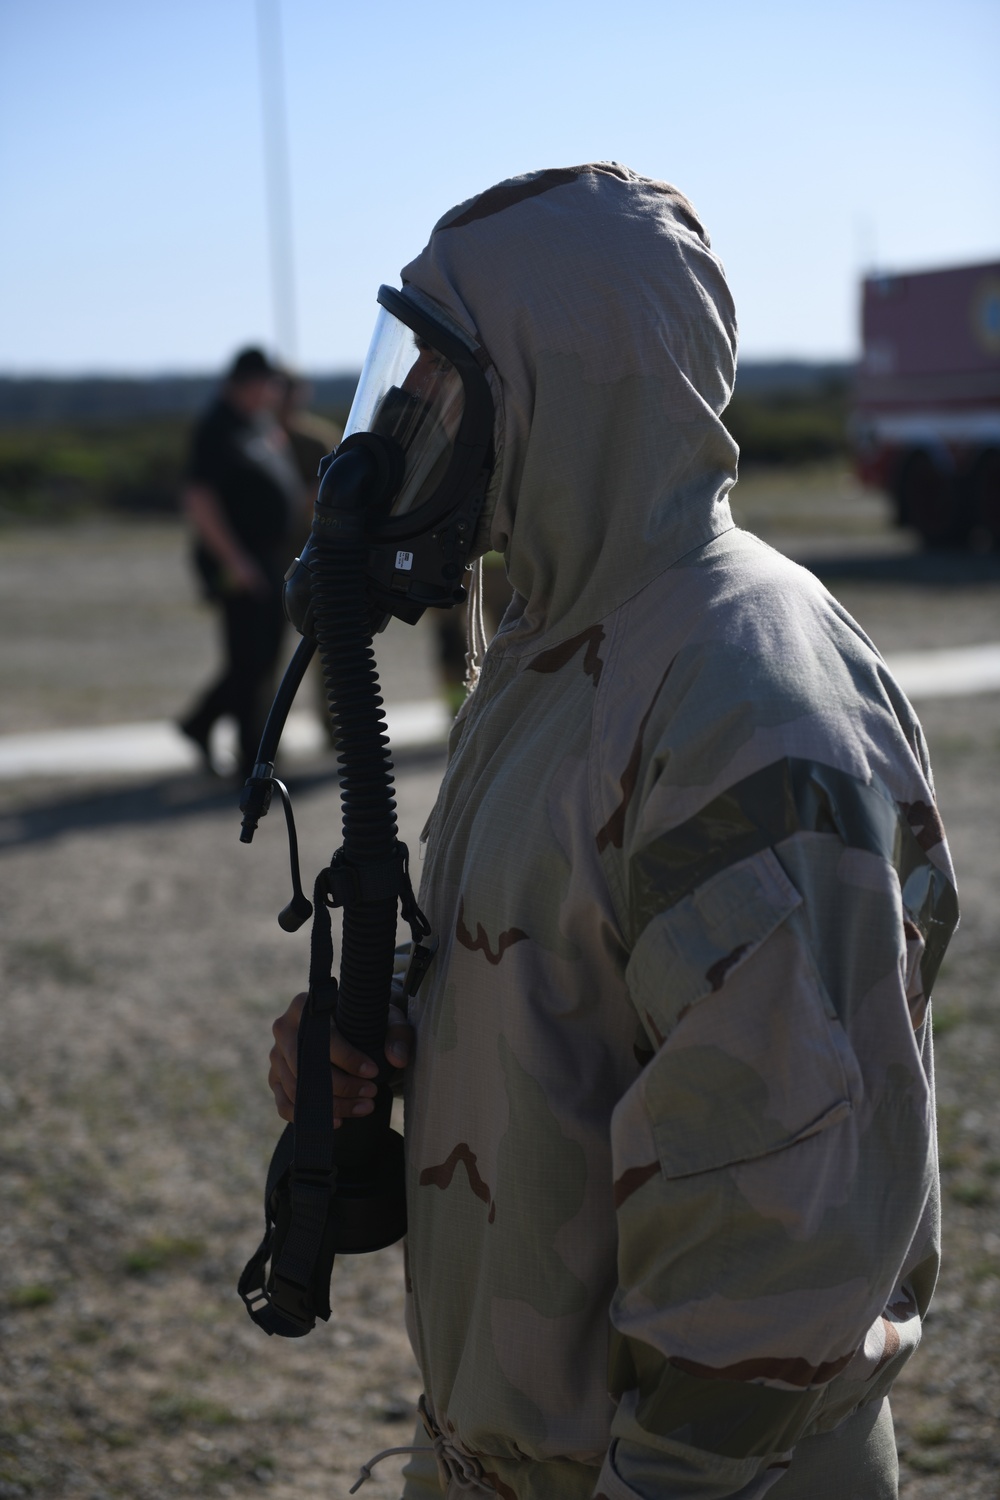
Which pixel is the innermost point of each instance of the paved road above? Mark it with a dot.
(119, 749)
(159, 745)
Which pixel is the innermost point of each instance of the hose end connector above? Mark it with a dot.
(255, 799)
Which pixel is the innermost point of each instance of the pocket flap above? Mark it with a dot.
(686, 952)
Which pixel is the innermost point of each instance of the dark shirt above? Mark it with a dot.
(252, 474)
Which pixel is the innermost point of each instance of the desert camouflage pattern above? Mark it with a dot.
(670, 1124)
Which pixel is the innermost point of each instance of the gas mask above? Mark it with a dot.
(393, 527)
(423, 420)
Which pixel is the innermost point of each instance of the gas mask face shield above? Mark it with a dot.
(422, 422)
(411, 394)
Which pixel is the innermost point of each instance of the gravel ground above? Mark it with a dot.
(141, 966)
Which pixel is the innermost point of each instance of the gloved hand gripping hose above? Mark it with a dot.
(342, 1191)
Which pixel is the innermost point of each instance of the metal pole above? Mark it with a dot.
(277, 176)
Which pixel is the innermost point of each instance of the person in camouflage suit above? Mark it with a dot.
(672, 1183)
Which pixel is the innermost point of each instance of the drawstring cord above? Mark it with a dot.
(475, 629)
(460, 1469)
(365, 1471)
(463, 1471)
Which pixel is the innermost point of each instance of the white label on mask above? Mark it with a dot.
(404, 562)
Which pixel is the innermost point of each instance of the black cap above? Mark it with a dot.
(251, 364)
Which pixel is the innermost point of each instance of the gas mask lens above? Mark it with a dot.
(412, 394)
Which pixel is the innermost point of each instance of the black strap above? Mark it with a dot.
(252, 1285)
(304, 1159)
(301, 1179)
(312, 1170)
(346, 883)
(412, 915)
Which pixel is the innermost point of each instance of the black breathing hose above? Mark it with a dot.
(340, 624)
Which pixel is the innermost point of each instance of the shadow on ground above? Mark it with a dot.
(163, 800)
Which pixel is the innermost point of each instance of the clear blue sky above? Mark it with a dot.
(814, 138)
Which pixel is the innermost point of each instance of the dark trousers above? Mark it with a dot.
(252, 631)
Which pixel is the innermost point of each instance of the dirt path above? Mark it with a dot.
(141, 967)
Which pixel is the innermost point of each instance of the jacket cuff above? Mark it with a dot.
(673, 1471)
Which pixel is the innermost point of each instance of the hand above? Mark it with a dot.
(353, 1071)
(245, 576)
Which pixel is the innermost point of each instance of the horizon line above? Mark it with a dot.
(344, 373)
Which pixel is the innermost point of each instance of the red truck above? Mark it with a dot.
(925, 426)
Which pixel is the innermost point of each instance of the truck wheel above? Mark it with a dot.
(984, 495)
(928, 501)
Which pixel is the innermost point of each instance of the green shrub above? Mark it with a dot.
(48, 473)
(790, 427)
(159, 1252)
(34, 1294)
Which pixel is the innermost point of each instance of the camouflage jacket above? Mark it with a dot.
(670, 1124)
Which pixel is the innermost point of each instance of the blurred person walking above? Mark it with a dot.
(310, 437)
(242, 496)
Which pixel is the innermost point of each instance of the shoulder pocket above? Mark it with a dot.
(750, 1059)
(687, 952)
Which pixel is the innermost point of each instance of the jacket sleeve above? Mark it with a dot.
(774, 1161)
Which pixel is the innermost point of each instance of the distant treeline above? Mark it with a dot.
(101, 400)
(73, 445)
(790, 414)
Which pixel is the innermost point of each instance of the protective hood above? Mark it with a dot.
(611, 339)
